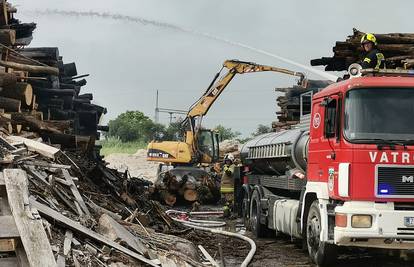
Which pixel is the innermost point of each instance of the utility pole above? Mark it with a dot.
(170, 111)
(157, 110)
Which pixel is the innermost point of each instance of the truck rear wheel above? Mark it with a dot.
(245, 211)
(258, 229)
(321, 253)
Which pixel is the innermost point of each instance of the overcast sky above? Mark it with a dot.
(129, 61)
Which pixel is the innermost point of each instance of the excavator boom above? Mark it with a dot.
(201, 107)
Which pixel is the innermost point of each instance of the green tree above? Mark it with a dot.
(226, 133)
(262, 129)
(175, 131)
(132, 126)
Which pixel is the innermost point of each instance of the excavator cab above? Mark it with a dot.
(208, 146)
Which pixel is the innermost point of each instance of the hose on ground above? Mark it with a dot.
(193, 222)
(199, 225)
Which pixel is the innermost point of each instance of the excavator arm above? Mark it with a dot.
(204, 103)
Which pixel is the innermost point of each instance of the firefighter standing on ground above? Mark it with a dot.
(227, 183)
(373, 58)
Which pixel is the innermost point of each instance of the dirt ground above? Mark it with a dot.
(281, 252)
(136, 164)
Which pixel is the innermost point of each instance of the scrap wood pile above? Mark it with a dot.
(60, 204)
(85, 224)
(289, 103)
(398, 49)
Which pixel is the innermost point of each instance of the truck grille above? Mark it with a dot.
(395, 181)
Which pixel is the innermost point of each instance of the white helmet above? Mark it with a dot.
(229, 156)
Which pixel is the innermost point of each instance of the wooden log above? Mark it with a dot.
(21, 91)
(24, 32)
(169, 199)
(88, 119)
(69, 69)
(81, 83)
(77, 102)
(51, 101)
(4, 15)
(9, 104)
(17, 128)
(41, 92)
(29, 225)
(67, 86)
(34, 124)
(103, 128)
(7, 80)
(42, 53)
(83, 143)
(37, 114)
(30, 68)
(57, 114)
(7, 37)
(100, 110)
(86, 96)
(190, 195)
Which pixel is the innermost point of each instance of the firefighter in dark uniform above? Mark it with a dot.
(373, 58)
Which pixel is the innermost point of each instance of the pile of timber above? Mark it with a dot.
(229, 146)
(289, 103)
(398, 49)
(181, 186)
(39, 93)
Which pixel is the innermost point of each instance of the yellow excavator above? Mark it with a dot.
(202, 145)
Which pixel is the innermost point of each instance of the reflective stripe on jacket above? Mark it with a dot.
(374, 59)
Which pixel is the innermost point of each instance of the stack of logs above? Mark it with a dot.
(175, 187)
(39, 92)
(398, 49)
(289, 103)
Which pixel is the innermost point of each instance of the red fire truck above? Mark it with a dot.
(344, 176)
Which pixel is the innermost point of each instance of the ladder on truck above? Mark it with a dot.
(23, 240)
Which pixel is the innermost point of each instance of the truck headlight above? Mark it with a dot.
(361, 221)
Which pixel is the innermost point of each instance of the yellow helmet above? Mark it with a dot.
(369, 37)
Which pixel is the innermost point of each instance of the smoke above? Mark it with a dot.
(170, 26)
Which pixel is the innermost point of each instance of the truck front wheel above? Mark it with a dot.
(258, 229)
(321, 253)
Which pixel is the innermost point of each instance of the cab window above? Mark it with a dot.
(330, 118)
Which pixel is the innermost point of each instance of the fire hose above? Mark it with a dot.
(202, 224)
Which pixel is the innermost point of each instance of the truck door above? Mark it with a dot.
(325, 138)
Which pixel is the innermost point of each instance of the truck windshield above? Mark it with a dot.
(374, 114)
